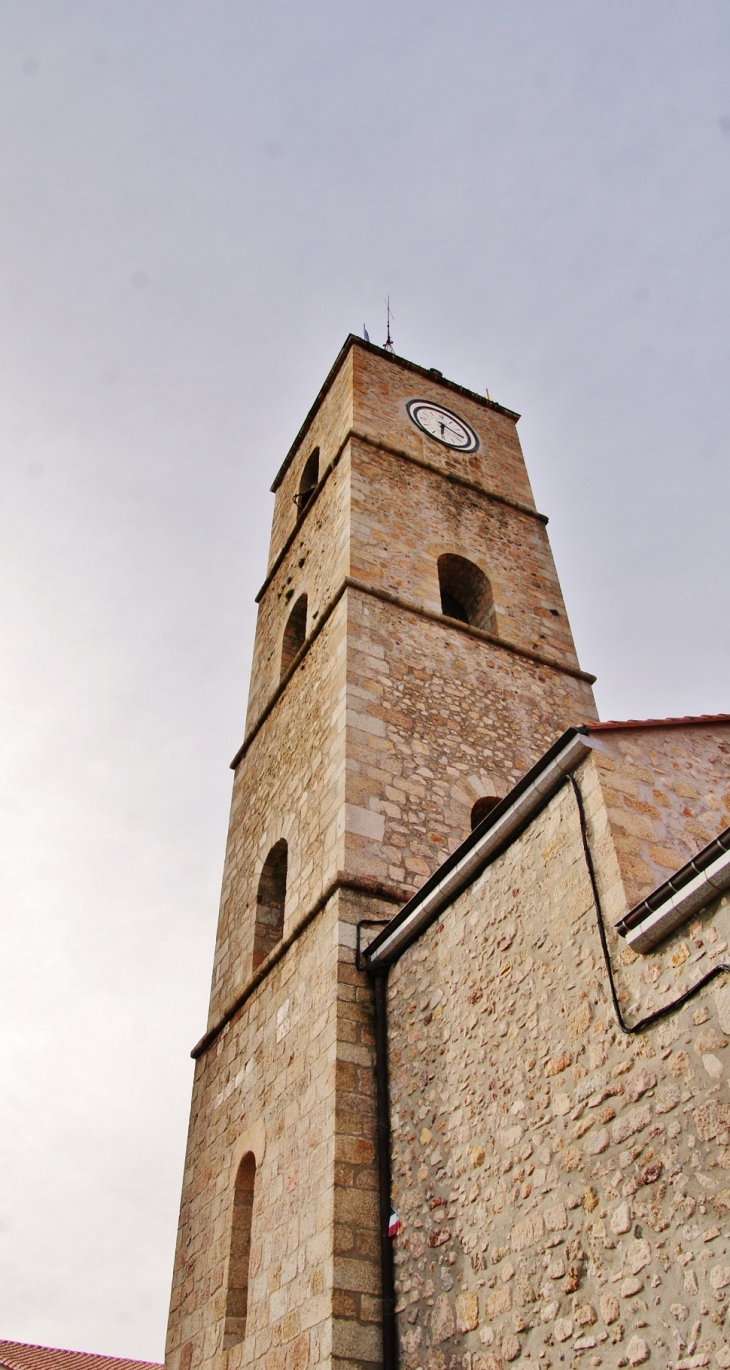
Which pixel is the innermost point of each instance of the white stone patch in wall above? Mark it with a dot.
(621, 1219)
(713, 1066)
(597, 1142)
(722, 1000)
(631, 1286)
(442, 1319)
(283, 1021)
(610, 1308)
(667, 1097)
(412, 1340)
(591, 1085)
(232, 1085)
(637, 1351)
(638, 1256)
(363, 822)
(556, 1218)
(527, 1232)
(510, 1346)
(365, 723)
(631, 1122)
(690, 1282)
(638, 1083)
(347, 935)
(510, 1137)
(709, 1040)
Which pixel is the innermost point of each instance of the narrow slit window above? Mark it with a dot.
(466, 594)
(295, 634)
(240, 1255)
(270, 903)
(309, 480)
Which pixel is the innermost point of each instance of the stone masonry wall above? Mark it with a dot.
(326, 431)
(270, 1077)
(435, 719)
(314, 565)
(370, 392)
(668, 794)
(291, 785)
(562, 1186)
(291, 1078)
(404, 518)
(381, 391)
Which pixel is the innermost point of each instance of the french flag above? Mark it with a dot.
(394, 1224)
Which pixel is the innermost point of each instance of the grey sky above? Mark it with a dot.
(200, 201)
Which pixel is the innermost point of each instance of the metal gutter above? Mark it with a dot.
(685, 893)
(491, 836)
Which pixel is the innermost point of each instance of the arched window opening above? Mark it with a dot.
(270, 901)
(295, 633)
(482, 807)
(466, 594)
(240, 1257)
(309, 481)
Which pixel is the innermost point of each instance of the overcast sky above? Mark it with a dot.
(201, 199)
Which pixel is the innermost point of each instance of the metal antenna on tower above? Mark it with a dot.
(388, 344)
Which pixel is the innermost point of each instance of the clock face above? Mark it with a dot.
(442, 425)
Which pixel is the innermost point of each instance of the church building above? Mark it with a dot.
(461, 1098)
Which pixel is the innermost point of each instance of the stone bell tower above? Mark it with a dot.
(413, 658)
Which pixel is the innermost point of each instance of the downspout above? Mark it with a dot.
(379, 976)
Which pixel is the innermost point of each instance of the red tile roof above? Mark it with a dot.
(659, 722)
(18, 1355)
